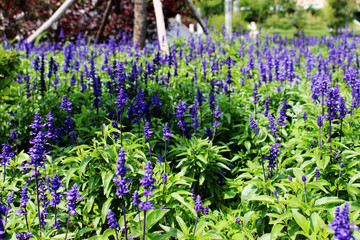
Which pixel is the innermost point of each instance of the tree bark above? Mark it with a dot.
(104, 21)
(140, 15)
(160, 25)
(51, 20)
(196, 15)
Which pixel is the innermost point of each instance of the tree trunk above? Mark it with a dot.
(61, 10)
(140, 16)
(104, 21)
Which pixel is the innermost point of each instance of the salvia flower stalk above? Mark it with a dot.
(55, 200)
(66, 106)
(72, 195)
(136, 202)
(148, 183)
(113, 224)
(303, 178)
(342, 225)
(122, 183)
(3, 211)
(320, 124)
(198, 208)
(317, 175)
(255, 128)
(277, 198)
(9, 201)
(342, 165)
(23, 201)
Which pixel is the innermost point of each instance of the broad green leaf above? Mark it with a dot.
(182, 225)
(186, 204)
(328, 200)
(275, 231)
(105, 209)
(154, 217)
(301, 221)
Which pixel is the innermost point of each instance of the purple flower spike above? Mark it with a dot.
(113, 224)
(136, 198)
(166, 132)
(121, 169)
(23, 236)
(198, 204)
(147, 131)
(206, 210)
(253, 124)
(290, 178)
(13, 135)
(6, 154)
(303, 178)
(73, 195)
(304, 116)
(319, 121)
(272, 125)
(65, 105)
(342, 225)
(317, 173)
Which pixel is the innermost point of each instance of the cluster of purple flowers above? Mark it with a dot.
(342, 225)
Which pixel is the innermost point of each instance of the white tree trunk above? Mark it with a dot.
(51, 20)
(160, 25)
(198, 18)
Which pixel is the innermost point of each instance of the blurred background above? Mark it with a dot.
(20, 18)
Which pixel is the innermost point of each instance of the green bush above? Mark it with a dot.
(9, 67)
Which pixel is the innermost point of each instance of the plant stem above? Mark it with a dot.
(262, 162)
(55, 219)
(139, 215)
(315, 191)
(124, 213)
(341, 123)
(330, 136)
(37, 197)
(144, 224)
(320, 138)
(150, 150)
(121, 132)
(26, 220)
(116, 234)
(305, 192)
(67, 225)
(197, 216)
(337, 185)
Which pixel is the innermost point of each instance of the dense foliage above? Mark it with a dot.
(21, 18)
(227, 137)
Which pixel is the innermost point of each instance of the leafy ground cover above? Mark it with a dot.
(227, 137)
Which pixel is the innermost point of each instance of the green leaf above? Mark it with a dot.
(353, 179)
(182, 225)
(186, 204)
(301, 221)
(247, 145)
(106, 178)
(275, 231)
(154, 216)
(83, 165)
(248, 192)
(105, 209)
(328, 200)
(201, 178)
(261, 135)
(282, 217)
(84, 230)
(263, 198)
(69, 174)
